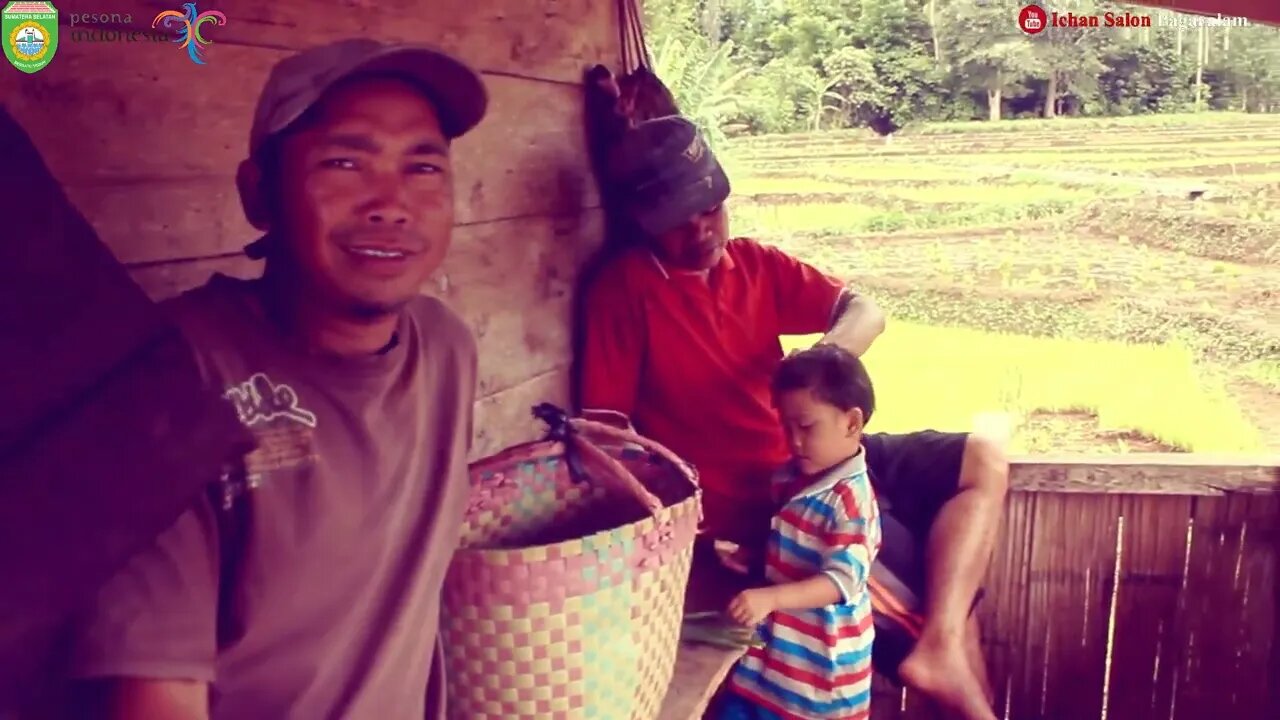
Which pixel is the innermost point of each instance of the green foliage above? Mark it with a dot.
(828, 219)
(993, 55)
(1207, 334)
(941, 377)
(1020, 315)
(777, 66)
(1264, 372)
(777, 98)
(1253, 63)
(1242, 239)
(703, 81)
(1144, 79)
(1089, 295)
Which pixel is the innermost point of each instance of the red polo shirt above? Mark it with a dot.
(690, 356)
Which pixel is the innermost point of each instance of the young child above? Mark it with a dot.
(815, 615)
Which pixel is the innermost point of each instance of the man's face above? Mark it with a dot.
(367, 197)
(699, 243)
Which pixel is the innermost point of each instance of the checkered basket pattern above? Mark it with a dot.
(566, 598)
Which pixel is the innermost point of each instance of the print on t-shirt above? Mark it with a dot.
(284, 431)
(259, 400)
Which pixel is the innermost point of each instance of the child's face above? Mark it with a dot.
(820, 435)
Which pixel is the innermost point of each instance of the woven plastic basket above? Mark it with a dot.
(566, 598)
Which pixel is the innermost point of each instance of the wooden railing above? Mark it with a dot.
(1132, 587)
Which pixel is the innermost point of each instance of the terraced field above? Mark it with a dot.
(1091, 285)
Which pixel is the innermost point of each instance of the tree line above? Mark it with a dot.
(767, 66)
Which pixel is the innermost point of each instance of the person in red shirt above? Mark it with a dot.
(681, 335)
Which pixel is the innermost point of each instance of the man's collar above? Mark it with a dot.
(725, 264)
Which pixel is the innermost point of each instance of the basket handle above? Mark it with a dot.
(574, 431)
(628, 435)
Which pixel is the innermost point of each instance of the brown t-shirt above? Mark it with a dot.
(307, 586)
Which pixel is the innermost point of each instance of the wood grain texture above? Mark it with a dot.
(1003, 609)
(513, 283)
(1227, 617)
(1194, 626)
(504, 419)
(142, 118)
(160, 188)
(1147, 473)
(888, 701)
(1061, 611)
(700, 670)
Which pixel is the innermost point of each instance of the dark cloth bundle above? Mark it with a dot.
(107, 431)
(614, 105)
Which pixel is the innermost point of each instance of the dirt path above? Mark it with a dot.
(1262, 406)
(1078, 433)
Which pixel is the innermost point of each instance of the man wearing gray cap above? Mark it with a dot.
(682, 337)
(306, 584)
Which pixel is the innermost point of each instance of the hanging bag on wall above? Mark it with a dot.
(615, 104)
(641, 93)
(566, 597)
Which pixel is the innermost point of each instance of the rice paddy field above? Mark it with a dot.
(1084, 285)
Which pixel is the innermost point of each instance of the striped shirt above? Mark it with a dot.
(816, 663)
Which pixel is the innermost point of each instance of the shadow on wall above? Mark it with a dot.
(108, 431)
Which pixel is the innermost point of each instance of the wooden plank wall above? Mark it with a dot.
(1155, 597)
(146, 143)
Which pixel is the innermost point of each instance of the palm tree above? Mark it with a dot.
(819, 92)
(702, 80)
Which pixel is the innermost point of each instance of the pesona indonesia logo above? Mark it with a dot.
(110, 27)
(188, 24)
(30, 34)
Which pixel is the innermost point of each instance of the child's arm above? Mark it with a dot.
(817, 591)
(843, 576)
(846, 564)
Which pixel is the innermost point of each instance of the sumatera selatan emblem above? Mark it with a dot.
(30, 33)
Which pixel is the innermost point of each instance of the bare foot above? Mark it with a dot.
(939, 668)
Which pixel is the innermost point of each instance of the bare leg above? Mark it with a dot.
(958, 551)
(978, 667)
(978, 662)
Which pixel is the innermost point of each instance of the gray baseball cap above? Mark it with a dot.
(666, 174)
(298, 82)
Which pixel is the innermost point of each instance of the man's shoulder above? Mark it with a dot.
(218, 296)
(218, 316)
(635, 264)
(880, 444)
(619, 275)
(753, 257)
(627, 262)
(219, 322)
(443, 325)
(743, 245)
